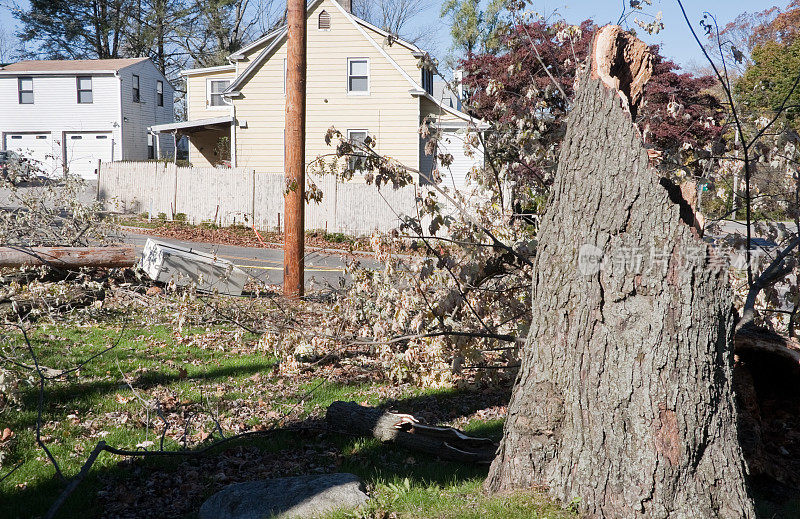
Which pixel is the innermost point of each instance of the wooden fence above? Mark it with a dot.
(244, 196)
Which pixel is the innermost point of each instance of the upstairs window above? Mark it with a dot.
(136, 96)
(324, 23)
(160, 93)
(358, 76)
(214, 90)
(85, 90)
(25, 85)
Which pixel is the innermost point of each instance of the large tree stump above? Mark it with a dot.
(624, 402)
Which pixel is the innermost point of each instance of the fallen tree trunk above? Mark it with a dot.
(68, 257)
(404, 430)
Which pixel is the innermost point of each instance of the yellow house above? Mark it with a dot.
(360, 80)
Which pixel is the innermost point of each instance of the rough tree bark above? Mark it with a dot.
(623, 402)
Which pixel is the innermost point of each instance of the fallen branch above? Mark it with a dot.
(782, 265)
(404, 430)
(73, 484)
(760, 340)
(21, 306)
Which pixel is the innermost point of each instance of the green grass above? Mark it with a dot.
(219, 369)
(97, 389)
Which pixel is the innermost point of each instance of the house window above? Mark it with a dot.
(160, 93)
(324, 21)
(151, 148)
(358, 138)
(25, 90)
(214, 90)
(427, 80)
(358, 76)
(136, 97)
(85, 90)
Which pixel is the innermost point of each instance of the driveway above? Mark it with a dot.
(322, 268)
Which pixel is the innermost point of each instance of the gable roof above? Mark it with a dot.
(481, 125)
(77, 65)
(239, 54)
(311, 4)
(205, 70)
(280, 35)
(410, 46)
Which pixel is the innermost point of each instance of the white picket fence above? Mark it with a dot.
(244, 196)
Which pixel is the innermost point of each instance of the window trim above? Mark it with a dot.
(136, 92)
(350, 131)
(330, 21)
(20, 91)
(227, 104)
(159, 93)
(348, 76)
(80, 90)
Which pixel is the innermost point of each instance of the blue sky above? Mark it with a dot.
(676, 39)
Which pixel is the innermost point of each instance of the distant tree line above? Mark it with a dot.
(175, 34)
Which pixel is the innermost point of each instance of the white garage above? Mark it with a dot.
(83, 150)
(37, 147)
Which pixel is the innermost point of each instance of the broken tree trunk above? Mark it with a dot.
(404, 430)
(623, 403)
(68, 257)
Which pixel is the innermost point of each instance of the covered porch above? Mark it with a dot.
(210, 141)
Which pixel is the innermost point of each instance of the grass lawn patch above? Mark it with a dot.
(193, 386)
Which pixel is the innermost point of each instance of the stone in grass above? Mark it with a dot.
(301, 496)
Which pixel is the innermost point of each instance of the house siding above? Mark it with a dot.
(196, 95)
(137, 117)
(56, 110)
(202, 145)
(389, 113)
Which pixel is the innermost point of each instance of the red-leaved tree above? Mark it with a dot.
(526, 90)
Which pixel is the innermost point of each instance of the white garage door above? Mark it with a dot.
(464, 158)
(83, 150)
(37, 147)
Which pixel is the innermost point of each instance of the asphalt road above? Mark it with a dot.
(322, 268)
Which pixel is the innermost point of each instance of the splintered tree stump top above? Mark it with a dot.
(623, 402)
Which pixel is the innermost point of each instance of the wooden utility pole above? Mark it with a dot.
(295, 142)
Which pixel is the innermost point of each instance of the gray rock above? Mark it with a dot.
(301, 496)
